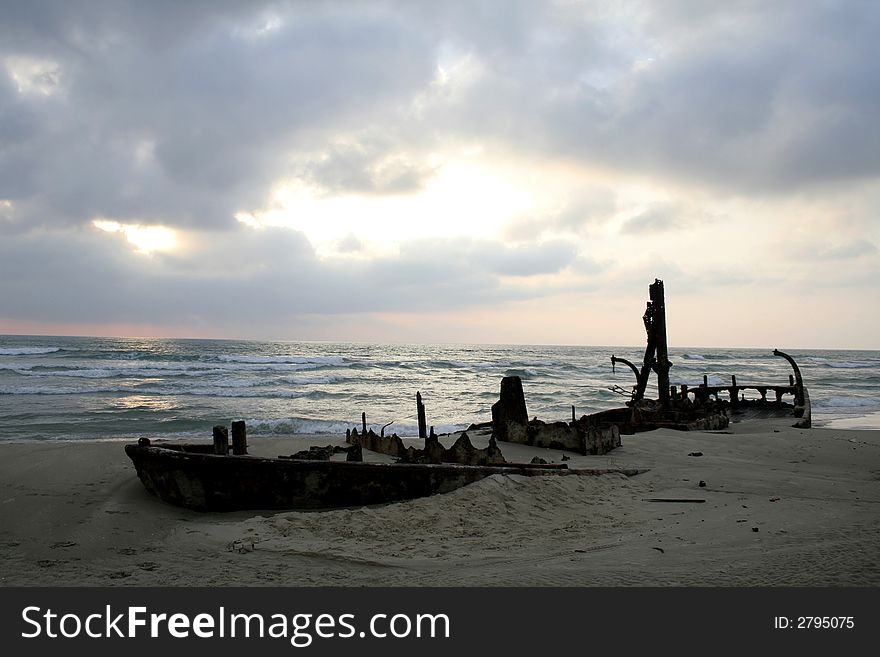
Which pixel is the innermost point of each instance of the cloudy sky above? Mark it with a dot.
(481, 171)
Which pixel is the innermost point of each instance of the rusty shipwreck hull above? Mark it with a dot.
(210, 482)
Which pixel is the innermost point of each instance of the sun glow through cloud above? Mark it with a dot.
(146, 239)
(463, 198)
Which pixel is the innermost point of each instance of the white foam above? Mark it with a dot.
(27, 351)
(695, 357)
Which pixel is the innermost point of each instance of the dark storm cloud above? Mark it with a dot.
(185, 121)
(750, 97)
(184, 113)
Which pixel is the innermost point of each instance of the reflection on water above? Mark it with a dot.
(145, 402)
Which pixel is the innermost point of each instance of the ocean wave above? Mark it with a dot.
(290, 426)
(523, 373)
(298, 425)
(27, 351)
(853, 402)
(694, 356)
(58, 390)
(117, 372)
(334, 361)
(311, 380)
(216, 392)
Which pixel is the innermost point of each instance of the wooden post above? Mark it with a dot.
(221, 440)
(364, 422)
(420, 412)
(572, 413)
(239, 438)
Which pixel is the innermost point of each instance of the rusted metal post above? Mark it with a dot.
(798, 380)
(572, 413)
(420, 412)
(364, 422)
(662, 364)
(239, 438)
(656, 351)
(616, 359)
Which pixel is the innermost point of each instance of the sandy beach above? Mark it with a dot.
(782, 506)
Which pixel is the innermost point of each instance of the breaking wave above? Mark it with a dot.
(27, 351)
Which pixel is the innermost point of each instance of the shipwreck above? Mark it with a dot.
(220, 476)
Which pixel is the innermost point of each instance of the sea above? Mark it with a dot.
(82, 388)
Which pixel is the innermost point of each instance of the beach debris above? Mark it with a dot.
(659, 549)
(566, 457)
(239, 438)
(63, 544)
(702, 484)
(119, 574)
(316, 453)
(682, 500)
(695, 454)
(144, 442)
(754, 529)
(364, 421)
(148, 565)
(538, 460)
(221, 440)
(510, 423)
(774, 499)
